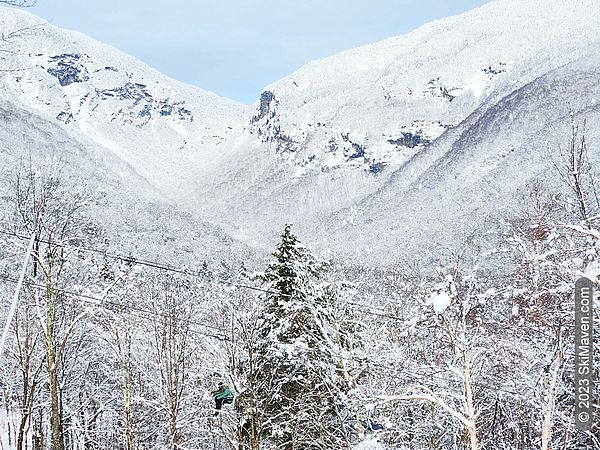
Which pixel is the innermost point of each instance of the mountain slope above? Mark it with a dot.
(126, 134)
(471, 179)
(378, 104)
(329, 140)
(156, 126)
(395, 146)
(129, 219)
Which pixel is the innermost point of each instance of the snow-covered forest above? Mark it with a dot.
(380, 253)
(110, 350)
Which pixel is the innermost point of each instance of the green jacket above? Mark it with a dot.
(224, 392)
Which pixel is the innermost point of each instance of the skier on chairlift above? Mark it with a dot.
(223, 395)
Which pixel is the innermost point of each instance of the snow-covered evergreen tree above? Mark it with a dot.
(299, 382)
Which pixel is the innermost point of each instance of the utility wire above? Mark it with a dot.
(103, 303)
(367, 309)
(144, 262)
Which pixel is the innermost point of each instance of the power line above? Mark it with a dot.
(144, 262)
(101, 302)
(414, 377)
(367, 309)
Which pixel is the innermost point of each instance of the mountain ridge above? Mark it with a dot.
(322, 186)
(156, 124)
(380, 65)
(325, 145)
(446, 197)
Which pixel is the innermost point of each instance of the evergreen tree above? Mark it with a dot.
(299, 382)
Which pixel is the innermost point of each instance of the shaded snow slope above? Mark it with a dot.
(131, 218)
(375, 153)
(162, 129)
(475, 175)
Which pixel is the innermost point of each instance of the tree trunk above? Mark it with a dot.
(128, 422)
(126, 385)
(470, 405)
(433, 441)
(28, 397)
(22, 428)
(37, 440)
(550, 399)
(174, 433)
(56, 440)
(56, 437)
(25, 416)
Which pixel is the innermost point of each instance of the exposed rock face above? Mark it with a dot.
(141, 105)
(410, 140)
(65, 117)
(68, 68)
(156, 127)
(138, 105)
(266, 98)
(380, 104)
(265, 125)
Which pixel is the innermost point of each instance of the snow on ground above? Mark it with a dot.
(372, 106)
(378, 145)
(439, 301)
(393, 137)
(369, 444)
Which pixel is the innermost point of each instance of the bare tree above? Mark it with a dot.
(173, 310)
(29, 356)
(121, 334)
(576, 171)
(241, 316)
(44, 204)
(456, 374)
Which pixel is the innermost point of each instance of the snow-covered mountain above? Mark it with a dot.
(128, 135)
(364, 127)
(379, 104)
(476, 174)
(129, 216)
(157, 127)
(390, 146)
(388, 154)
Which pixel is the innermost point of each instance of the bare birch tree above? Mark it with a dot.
(54, 211)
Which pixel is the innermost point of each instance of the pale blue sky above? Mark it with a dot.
(236, 47)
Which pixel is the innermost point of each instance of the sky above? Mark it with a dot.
(237, 47)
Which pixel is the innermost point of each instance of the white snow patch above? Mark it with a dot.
(515, 310)
(439, 301)
(370, 444)
(592, 271)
